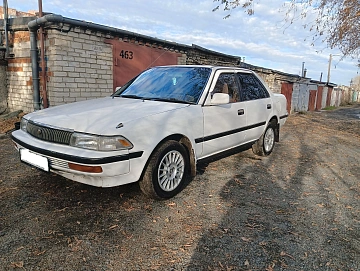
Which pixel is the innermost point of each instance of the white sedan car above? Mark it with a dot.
(155, 128)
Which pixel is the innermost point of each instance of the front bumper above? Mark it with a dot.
(115, 168)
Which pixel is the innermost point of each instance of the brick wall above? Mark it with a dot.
(270, 80)
(12, 13)
(19, 74)
(182, 59)
(273, 79)
(200, 56)
(79, 66)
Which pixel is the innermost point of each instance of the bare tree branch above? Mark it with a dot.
(337, 21)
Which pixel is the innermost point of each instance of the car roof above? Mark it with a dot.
(213, 67)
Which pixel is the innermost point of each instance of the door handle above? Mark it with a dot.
(268, 106)
(241, 112)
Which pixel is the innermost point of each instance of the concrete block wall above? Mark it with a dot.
(182, 59)
(198, 57)
(271, 81)
(79, 66)
(3, 88)
(271, 78)
(19, 74)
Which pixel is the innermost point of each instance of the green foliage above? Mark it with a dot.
(329, 108)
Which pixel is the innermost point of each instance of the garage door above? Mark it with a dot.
(130, 59)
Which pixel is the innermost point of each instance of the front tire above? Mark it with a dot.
(265, 144)
(166, 171)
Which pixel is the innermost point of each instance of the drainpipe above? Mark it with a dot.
(33, 28)
(42, 55)
(35, 70)
(5, 7)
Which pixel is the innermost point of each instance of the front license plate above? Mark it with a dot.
(34, 159)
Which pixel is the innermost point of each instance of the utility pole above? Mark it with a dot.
(329, 67)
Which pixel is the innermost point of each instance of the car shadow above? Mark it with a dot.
(281, 212)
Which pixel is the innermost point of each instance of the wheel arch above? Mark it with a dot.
(275, 120)
(183, 140)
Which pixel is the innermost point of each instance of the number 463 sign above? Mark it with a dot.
(126, 54)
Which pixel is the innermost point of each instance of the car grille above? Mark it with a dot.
(54, 162)
(49, 134)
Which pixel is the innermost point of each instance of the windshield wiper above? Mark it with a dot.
(130, 96)
(173, 100)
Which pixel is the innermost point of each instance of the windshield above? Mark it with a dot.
(174, 84)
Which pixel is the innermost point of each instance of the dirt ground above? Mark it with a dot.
(6, 125)
(298, 209)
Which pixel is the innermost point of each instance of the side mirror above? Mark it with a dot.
(220, 98)
(117, 88)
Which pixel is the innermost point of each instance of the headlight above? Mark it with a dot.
(100, 143)
(23, 124)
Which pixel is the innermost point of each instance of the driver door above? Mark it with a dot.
(223, 123)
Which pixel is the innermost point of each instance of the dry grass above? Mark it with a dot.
(9, 124)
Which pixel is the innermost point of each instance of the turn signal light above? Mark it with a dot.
(90, 169)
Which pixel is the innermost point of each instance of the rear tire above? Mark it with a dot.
(166, 172)
(265, 144)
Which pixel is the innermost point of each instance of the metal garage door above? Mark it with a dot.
(130, 59)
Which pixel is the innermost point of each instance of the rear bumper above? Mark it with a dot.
(282, 119)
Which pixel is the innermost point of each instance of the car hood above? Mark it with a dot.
(100, 116)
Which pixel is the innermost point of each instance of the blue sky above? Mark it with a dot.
(264, 39)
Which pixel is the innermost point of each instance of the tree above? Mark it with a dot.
(337, 22)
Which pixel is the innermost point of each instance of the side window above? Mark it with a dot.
(226, 83)
(251, 87)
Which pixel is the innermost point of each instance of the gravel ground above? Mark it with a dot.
(297, 209)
